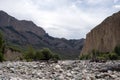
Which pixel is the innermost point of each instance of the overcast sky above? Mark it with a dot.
(71, 19)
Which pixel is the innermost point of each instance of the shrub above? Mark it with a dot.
(96, 55)
(105, 56)
(101, 58)
(47, 54)
(55, 57)
(117, 50)
(1, 57)
(44, 54)
(85, 57)
(29, 54)
(2, 43)
(38, 56)
(113, 56)
(2, 47)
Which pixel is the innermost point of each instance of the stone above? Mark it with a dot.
(114, 76)
(12, 70)
(58, 71)
(69, 74)
(61, 77)
(115, 67)
(84, 71)
(58, 67)
(15, 78)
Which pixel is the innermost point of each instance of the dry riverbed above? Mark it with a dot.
(63, 70)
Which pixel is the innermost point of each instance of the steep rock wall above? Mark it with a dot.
(105, 36)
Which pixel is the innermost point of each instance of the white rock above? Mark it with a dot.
(35, 66)
(1, 72)
(84, 71)
(69, 74)
(52, 71)
(61, 77)
(109, 71)
(15, 78)
(58, 67)
(12, 69)
(114, 76)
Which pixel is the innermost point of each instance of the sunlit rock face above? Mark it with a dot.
(105, 36)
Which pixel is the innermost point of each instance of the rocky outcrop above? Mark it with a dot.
(105, 36)
(15, 55)
(23, 33)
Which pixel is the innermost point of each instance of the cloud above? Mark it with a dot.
(62, 18)
(117, 6)
(116, 1)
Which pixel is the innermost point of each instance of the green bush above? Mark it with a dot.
(47, 54)
(101, 58)
(113, 56)
(1, 57)
(29, 54)
(44, 54)
(85, 57)
(2, 43)
(38, 56)
(55, 57)
(117, 50)
(2, 47)
(102, 55)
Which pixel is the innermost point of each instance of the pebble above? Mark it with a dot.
(57, 67)
(63, 70)
(69, 74)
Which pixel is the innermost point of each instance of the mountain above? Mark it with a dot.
(104, 37)
(23, 33)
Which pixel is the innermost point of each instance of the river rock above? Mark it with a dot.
(72, 70)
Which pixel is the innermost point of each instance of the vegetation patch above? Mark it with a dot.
(44, 54)
(2, 46)
(96, 55)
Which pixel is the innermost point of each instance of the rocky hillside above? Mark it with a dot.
(23, 33)
(105, 36)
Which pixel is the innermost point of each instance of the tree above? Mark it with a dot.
(47, 54)
(2, 43)
(113, 56)
(55, 57)
(30, 54)
(38, 56)
(2, 46)
(1, 57)
(117, 50)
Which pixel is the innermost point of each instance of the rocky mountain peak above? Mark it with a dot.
(20, 25)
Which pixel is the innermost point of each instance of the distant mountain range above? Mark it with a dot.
(104, 37)
(23, 33)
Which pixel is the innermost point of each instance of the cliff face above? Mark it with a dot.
(23, 33)
(105, 36)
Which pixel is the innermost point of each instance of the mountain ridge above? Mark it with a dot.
(23, 33)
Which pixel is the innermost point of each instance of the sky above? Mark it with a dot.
(71, 19)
